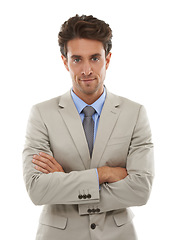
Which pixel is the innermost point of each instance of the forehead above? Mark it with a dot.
(84, 47)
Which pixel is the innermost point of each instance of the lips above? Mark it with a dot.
(88, 79)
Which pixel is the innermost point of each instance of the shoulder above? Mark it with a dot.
(129, 109)
(52, 103)
(47, 109)
(121, 101)
(48, 104)
(129, 104)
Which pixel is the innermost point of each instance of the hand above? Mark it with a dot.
(111, 174)
(46, 163)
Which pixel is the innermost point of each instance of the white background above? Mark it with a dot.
(144, 68)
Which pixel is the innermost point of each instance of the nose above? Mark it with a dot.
(86, 69)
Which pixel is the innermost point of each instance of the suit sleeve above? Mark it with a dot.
(77, 187)
(135, 189)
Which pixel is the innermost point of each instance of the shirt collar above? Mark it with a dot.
(97, 105)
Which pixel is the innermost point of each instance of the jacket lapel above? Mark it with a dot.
(73, 122)
(108, 119)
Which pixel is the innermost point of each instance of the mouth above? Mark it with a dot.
(88, 79)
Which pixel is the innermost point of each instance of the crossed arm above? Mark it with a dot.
(47, 164)
(48, 188)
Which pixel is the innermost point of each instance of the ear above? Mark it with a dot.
(64, 59)
(108, 58)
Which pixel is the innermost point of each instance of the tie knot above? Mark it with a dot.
(88, 111)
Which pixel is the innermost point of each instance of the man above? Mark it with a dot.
(88, 155)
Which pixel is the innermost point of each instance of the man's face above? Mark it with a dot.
(87, 65)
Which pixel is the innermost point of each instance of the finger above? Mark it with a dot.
(44, 160)
(45, 155)
(53, 160)
(52, 163)
(41, 169)
(42, 165)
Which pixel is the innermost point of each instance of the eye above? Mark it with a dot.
(95, 59)
(76, 60)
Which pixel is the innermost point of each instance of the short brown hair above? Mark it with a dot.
(87, 27)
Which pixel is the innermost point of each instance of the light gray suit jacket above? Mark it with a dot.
(74, 206)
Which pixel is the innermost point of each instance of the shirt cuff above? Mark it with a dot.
(97, 177)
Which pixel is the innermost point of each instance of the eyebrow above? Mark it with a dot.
(75, 56)
(96, 55)
(93, 55)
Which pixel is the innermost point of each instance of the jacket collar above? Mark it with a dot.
(108, 118)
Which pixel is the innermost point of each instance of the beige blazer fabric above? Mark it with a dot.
(74, 206)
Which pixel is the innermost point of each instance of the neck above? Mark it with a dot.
(89, 98)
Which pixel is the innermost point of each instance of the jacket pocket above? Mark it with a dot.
(53, 220)
(123, 217)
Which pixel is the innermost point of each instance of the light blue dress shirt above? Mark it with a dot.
(97, 105)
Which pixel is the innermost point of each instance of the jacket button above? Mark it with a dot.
(97, 210)
(89, 196)
(89, 210)
(84, 196)
(80, 196)
(93, 226)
